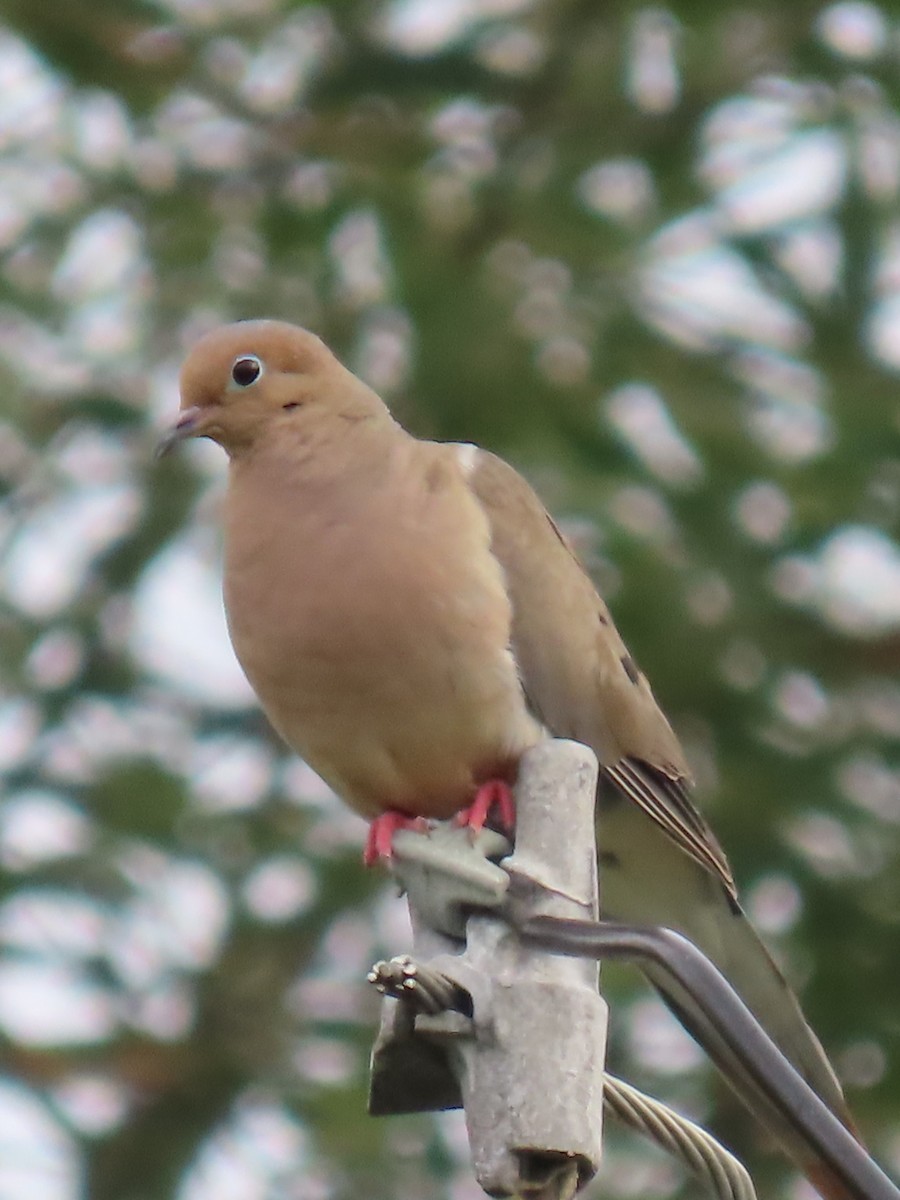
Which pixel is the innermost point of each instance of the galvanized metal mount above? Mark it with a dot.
(473, 1018)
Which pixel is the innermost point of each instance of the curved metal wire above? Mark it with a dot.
(697, 1150)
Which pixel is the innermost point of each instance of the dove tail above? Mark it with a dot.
(646, 879)
(746, 963)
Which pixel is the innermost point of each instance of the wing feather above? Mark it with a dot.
(576, 670)
(666, 800)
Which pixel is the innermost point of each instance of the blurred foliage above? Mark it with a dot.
(652, 255)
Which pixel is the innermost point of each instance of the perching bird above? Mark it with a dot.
(412, 621)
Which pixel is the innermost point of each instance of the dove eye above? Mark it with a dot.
(246, 370)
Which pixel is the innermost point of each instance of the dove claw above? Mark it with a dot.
(380, 842)
(496, 793)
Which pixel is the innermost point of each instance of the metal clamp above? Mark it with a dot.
(520, 1036)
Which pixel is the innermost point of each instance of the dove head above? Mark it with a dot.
(257, 379)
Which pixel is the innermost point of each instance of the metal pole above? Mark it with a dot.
(523, 1045)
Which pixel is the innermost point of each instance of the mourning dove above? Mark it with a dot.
(412, 621)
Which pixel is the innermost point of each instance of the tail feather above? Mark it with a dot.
(756, 1101)
(647, 880)
(747, 964)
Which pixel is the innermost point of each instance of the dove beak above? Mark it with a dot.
(187, 426)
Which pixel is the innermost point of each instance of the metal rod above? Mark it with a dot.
(794, 1099)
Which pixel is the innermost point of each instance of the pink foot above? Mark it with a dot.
(380, 842)
(495, 793)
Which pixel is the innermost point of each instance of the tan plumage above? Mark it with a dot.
(412, 620)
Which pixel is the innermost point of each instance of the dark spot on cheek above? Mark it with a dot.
(630, 668)
(292, 404)
(435, 476)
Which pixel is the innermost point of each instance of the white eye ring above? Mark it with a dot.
(246, 370)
